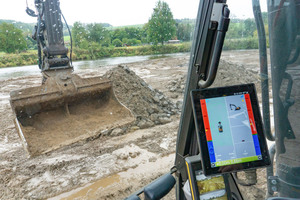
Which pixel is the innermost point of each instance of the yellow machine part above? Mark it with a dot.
(65, 110)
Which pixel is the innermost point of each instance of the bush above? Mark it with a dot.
(24, 58)
(117, 43)
(101, 52)
(134, 42)
(242, 43)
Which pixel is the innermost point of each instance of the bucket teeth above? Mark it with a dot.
(64, 111)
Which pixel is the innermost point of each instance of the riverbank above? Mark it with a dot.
(30, 57)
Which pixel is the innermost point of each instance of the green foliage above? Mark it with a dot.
(161, 26)
(241, 43)
(98, 33)
(19, 59)
(185, 31)
(117, 43)
(133, 33)
(67, 39)
(119, 34)
(25, 27)
(29, 27)
(255, 34)
(125, 41)
(79, 35)
(171, 48)
(11, 39)
(241, 28)
(134, 42)
(83, 35)
(242, 34)
(235, 30)
(31, 43)
(101, 52)
(250, 27)
(125, 33)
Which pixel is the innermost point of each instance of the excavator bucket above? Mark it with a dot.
(65, 110)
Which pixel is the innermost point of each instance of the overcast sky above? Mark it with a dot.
(119, 12)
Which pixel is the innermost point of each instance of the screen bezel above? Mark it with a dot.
(196, 96)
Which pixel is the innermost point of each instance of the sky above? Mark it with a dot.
(119, 12)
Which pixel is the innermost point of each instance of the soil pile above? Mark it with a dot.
(149, 106)
(228, 74)
(234, 74)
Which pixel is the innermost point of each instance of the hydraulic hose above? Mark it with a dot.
(263, 68)
(38, 41)
(71, 41)
(29, 11)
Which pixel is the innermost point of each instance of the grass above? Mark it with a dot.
(18, 59)
(67, 39)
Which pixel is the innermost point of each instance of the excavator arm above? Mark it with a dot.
(53, 54)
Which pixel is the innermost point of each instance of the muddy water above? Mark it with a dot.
(90, 191)
(122, 184)
(19, 71)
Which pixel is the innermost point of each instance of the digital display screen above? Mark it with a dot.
(230, 130)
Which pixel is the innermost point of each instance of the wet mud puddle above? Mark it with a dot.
(90, 191)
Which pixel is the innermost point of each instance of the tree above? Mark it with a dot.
(133, 42)
(250, 27)
(127, 32)
(184, 31)
(79, 34)
(119, 33)
(133, 33)
(234, 30)
(31, 43)
(99, 34)
(161, 26)
(11, 38)
(117, 43)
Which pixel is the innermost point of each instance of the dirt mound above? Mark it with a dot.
(228, 74)
(233, 74)
(149, 106)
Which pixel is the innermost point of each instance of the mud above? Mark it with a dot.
(150, 106)
(113, 165)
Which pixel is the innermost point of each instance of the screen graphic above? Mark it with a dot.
(230, 130)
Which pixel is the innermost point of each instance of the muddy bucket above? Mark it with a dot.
(65, 110)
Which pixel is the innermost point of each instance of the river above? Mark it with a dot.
(19, 71)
